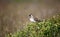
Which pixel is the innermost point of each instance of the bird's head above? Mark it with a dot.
(30, 15)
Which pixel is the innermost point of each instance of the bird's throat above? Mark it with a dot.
(32, 19)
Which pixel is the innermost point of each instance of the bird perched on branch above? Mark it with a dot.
(33, 19)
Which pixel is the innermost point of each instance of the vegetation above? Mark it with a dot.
(46, 28)
(23, 0)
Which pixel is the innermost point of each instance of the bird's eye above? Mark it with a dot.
(29, 15)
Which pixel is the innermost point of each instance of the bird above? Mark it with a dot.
(33, 19)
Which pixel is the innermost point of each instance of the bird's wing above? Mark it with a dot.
(37, 20)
